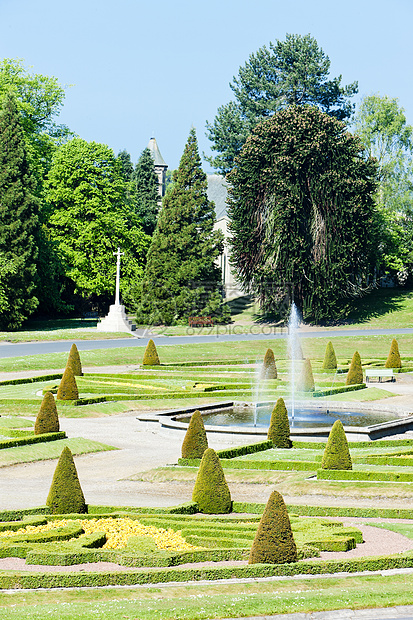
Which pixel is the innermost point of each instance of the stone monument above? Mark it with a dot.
(116, 320)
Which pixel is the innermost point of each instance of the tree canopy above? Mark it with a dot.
(303, 217)
(89, 218)
(290, 72)
(146, 196)
(181, 278)
(19, 220)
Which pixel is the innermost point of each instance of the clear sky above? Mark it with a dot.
(144, 68)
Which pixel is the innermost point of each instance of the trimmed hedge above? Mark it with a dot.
(47, 420)
(274, 542)
(195, 441)
(66, 495)
(339, 390)
(211, 491)
(24, 441)
(31, 379)
(330, 474)
(336, 454)
(279, 429)
(310, 466)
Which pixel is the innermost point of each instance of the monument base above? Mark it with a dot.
(116, 321)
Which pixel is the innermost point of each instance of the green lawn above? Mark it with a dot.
(49, 450)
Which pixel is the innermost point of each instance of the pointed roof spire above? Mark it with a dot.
(156, 153)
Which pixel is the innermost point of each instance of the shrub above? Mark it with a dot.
(296, 351)
(68, 388)
(279, 430)
(274, 541)
(355, 372)
(330, 360)
(393, 360)
(211, 491)
(66, 495)
(74, 361)
(269, 369)
(336, 453)
(47, 420)
(307, 378)
(150, 357)
(195, 441)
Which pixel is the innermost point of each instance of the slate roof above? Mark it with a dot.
(217, 192)
(156, 153)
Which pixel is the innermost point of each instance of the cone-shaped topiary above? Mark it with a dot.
(295, 350)
(307, 378)
(74, 361)
(355, 373)
(195, 441)
(68, 388)
(394, 360)
(330, 360)
(274, 542)
(47, 420)
(269, 369)
(211, 491)
(150, 357)
(336, 453)
(66, 495)
(279, 430)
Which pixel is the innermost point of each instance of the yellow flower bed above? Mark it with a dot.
(118, 531)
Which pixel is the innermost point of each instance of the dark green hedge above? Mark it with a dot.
(31, 379)
(339, 390)
(151, 576)
(334, 474)
(24, 441)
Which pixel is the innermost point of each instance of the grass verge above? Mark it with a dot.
(50, 450)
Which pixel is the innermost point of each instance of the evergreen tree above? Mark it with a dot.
(66, 495)
(126, 165)
(47, 420)
(195, 441)
(19, 217)
(146, 193)
(211, 491)
(393, 359)
(336, 453)
(181, 278)
(355, 372)
(330, 360)
(279, 429)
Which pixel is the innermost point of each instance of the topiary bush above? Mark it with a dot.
(355, 372)
(307, 378)
(269, 369)
(195, 441)
(274, 542)
(279, 430)
(394, 359)
(211, 491)
(47, 420)
(336, 453)
(66, 495)
(74, 361)
(150, 357)
(68, 388)
(330, 360)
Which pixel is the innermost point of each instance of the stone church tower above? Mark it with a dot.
(160, 166)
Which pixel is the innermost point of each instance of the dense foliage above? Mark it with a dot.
(269, 368)
(355, 372)
(74, 361)
(181, 278)
(150, 356)
(274, 542)
(394, 359)
(195, 441)
(211, 491)
(47, 420)
(290, 72)
(89, 218)
(19, 220)
(279, 429)
(330, 360)
(336, 454)
(146, 195)
(303, 217)
(66, 495)
(67, 389)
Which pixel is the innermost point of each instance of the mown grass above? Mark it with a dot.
(202, 602)
(49, 450)
(59, 329)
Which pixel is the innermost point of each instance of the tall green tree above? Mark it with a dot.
(146, 195)
(382, 126)
(303, 215)
(89, 218)
(19, 220)
(181, 278)
(290, 72)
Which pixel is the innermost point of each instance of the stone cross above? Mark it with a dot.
(118, 254)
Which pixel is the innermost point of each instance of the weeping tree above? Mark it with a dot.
(303, 217)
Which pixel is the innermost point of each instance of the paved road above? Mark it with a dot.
(224, 334)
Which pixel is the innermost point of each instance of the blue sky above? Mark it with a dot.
(139, 69)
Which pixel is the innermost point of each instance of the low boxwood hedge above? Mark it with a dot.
(31, 379)
(339, 390)
(340, 474)
(31, 439)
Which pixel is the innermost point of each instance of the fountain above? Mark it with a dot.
(294, 352)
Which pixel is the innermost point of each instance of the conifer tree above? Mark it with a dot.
(269, 369)
(68, 387)
(74, 361)
(355, 372)
(47, 420)
(195, 441)
(307, 377)
(274, 542)
(19, 216)
(150, 357)
(211, 491)
(146, 195)
(330, 360)
(181, 278)
(394, 359)
(336, 453)
(66, 495)
(279, 429)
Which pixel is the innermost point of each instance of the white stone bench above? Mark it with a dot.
(380, 372)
